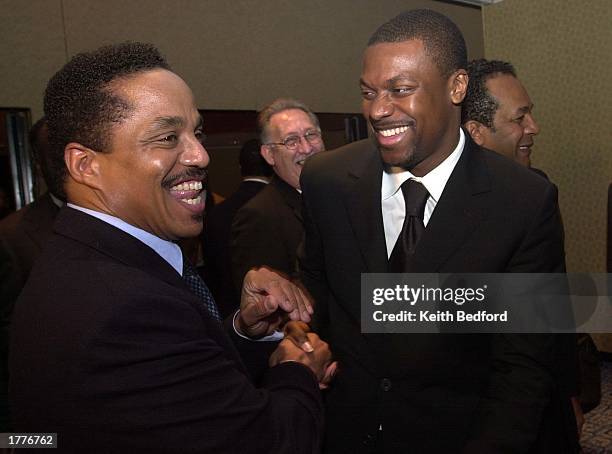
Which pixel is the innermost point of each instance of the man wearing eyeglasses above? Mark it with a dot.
(268, 229)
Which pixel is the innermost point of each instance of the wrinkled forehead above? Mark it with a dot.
(291, 121)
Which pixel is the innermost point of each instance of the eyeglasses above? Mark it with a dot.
(291, 142)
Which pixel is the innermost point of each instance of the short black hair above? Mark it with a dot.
(251, 162)
(79, 103)
(442, 39)
(478, 104)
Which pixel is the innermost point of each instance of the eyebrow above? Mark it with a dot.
(525, 109)
(172, 122)
(389, 82)
(167, 122)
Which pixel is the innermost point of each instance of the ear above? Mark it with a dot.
(266, 153)
(475, 128)
(459, 83)
(83, 164)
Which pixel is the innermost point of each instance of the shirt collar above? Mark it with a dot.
(168, 250)
(434, 181)
(260, 180)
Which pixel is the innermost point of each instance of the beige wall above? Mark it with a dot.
(236, 54)
(561, 51)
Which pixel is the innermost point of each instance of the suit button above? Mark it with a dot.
(385, 384)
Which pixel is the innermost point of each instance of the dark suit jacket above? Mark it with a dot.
(267, 231)
(22, 236)
(216, 245)
(439, 393)
(111, 350)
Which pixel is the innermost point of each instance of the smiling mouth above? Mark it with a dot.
(392, 131)
(525, 148)
(188, 192)
(303, 160)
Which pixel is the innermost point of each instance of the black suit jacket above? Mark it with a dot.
(267, 231)
(111, 350)
(431, 393)
(216, 246)
(22, 236)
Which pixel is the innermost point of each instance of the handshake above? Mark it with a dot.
(270, 302)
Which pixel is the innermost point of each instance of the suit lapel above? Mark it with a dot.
(291, 197)
(462, 206)
(364, 210)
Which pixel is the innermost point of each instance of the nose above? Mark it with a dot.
(195, 155)
(304, 147)
(380, 107)
(532, 126)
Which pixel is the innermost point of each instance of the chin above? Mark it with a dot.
(190, 230)
(394, 156)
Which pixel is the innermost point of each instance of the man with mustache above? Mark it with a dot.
(269, 228)
(497, 111)
(116, 344)
(420, 196)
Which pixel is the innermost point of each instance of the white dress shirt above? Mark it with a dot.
(393, 207)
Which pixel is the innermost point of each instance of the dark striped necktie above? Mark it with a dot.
(415, 198)
(199, 288)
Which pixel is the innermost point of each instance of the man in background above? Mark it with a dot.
(255, 172)
(22, 236)
(269, 228)
(497, 110)
(498, 114)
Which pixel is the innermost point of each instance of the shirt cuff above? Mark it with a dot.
(274, 337)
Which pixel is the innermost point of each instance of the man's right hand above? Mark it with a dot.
(319, 360)
(268, 300)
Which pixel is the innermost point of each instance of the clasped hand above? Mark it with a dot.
(269, 302)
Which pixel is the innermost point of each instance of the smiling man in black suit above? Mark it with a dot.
(116, 344)
(476, 213)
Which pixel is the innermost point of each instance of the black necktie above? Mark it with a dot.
(415, 198)
(199, 288)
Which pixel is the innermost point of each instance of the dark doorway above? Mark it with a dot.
(16, 176)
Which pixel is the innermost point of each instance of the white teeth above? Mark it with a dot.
(194, 201)
(393, 131)
(191, 186)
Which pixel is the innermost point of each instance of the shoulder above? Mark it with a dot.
(330, 162)
(268, 198)
(329, 170)
(264, 210)
(10, 224)
(514, 195)
(511, 179)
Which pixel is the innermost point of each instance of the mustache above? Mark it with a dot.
(195, 173)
